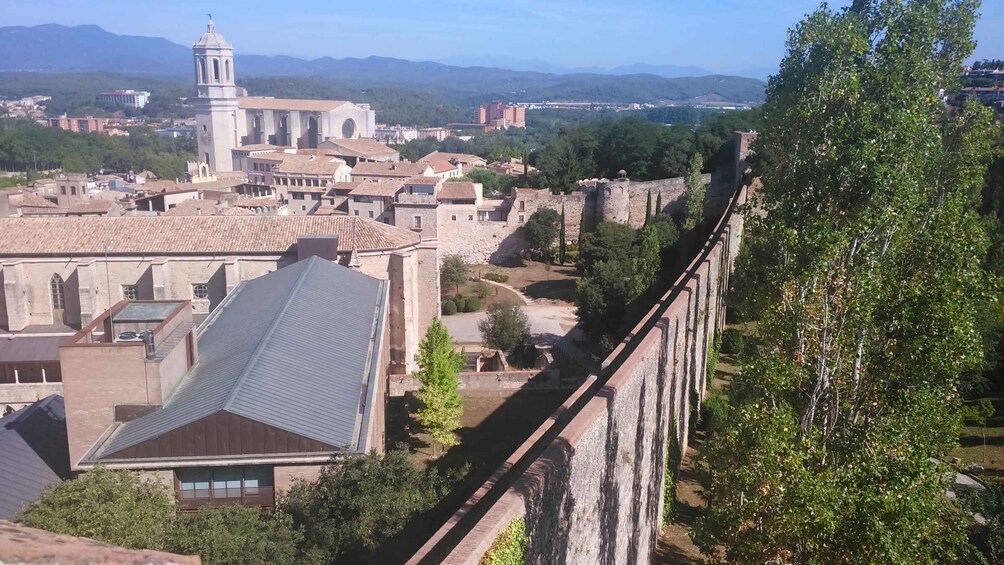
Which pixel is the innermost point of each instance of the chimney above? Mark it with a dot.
(323, 246)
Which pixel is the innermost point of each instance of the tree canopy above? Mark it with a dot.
(453, 271)
(505, 326)
(116, 507)
(868, 265)
(237, 535)
(541, 229)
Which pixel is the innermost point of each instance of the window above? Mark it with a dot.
(470, 217)
(522, 205)
(62, 190)
(73, 190)
(371, 214)
(356, 212)
(225, 485)
(453, 217)
(205, 128)
(216, 70)
(522, 218)
(417, 222)
(303, 208)
(56, 291)
(200, 291)
(130, 292)
(227, 65)
(203, 76)
(297, 196)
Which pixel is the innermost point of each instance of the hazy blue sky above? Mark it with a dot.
(721, 35)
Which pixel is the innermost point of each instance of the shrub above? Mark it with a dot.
(236, 534)
(714, 409)
(482, 290)
(473, 304)
(505, 327)
(509, 548)
(449, 308)
(497, 277)
(732, 341)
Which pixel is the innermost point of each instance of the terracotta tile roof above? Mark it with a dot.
(309, 189)
(36, 201)
(362, 147)
(91, 207)
(308, 164)
(195, 207)
(265, 201)
(328, 210)
(343, 186)
(440, 165)
(424, 181)
(237, 212)
(92, 235)
(385, 188)
(396, 170)
(457, 191)
(465, 158)
(264, 103)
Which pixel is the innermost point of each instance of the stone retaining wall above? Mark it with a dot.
(589, 482)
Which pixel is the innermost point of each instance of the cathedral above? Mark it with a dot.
(225, 121)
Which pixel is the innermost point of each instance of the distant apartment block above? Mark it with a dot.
(131, 98)
(83, 125)
(501, 116)
(395, 134)
(439, 134)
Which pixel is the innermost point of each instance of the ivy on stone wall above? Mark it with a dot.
(509, 547)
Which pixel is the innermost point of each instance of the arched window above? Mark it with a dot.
(216, 69)
(226, 65)
(203, 75)
(56, 290)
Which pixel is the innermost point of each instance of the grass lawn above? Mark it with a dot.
(496, 293)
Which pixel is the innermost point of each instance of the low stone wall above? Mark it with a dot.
(589, 482)
(23, 394)
(484, 381)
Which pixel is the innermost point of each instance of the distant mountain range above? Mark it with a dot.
(53, 48)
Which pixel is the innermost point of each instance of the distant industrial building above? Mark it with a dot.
(130, 98)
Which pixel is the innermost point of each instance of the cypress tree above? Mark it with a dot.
(648, 207)
(658, 204)
(561, 238)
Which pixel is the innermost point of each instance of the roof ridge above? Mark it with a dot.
(268, 335)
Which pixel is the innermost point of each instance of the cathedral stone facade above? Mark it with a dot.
(225, 121)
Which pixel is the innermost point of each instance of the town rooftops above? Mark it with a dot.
(384, 187)
(397, 170)
(35, 454)
(187, 235)
(29, 200)
(457, 191)
(266, 103)
(298, 163)
(440, 165)
(261, 147)
(297, 350)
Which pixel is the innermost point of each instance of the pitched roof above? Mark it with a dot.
(397, 170)
(305, 163)
(424, 180)
(94, 235)
(362, 147)
(294, 349)
(382, 187)
(343, 186)
(19, 544)
(265, 201)
(457, 191)
(460, 157)
(35, 453)
(195, 207)
(440, 165)
(267, 103)
(34, 201)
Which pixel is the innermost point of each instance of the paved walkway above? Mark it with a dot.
(545, 320)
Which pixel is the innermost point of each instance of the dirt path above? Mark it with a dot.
(674, 545)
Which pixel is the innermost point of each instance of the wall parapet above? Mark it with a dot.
(588, 482)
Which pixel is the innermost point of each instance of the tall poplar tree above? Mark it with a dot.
(561, 238)
(695, 193)
(438, 365)
(866, 253)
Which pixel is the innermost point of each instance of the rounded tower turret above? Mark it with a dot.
(613, 199)
(216, 100)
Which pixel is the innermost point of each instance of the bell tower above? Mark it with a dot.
(216, 100)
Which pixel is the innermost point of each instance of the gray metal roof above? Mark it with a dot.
(33, 453)
(292, 349)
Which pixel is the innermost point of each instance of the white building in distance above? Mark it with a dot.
(224, 121)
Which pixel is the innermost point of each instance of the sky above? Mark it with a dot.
(730, 36)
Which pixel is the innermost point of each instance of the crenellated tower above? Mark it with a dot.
(216, 100)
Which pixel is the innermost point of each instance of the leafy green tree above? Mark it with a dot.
(505, 326)
(115, 507)
(438, 365)
(658, 204)
(453, 272)
(695, 194)
(870, 272)
(541, 229)
(236, 535)
(665, 229)
(978, 412)
(648, 206)
(358, 504)
(610, 241)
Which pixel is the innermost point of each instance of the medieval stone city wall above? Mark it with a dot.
(589, 482)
